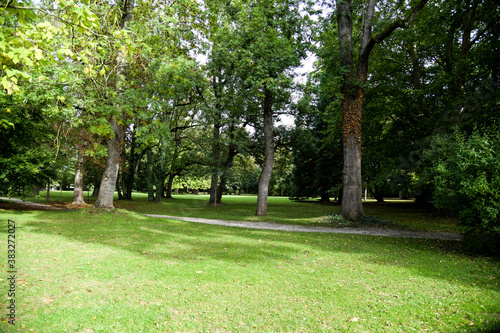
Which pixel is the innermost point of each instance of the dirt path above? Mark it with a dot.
(356, 231)
(34, 205)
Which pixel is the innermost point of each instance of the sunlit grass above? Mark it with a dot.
(81, 271)
(404, 213)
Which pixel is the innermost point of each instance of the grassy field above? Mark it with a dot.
(281, 210)
(82, 271)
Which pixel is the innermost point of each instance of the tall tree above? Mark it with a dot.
(353, 91)
(272, 41)
(109, 177)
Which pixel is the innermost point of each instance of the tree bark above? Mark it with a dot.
(110, 175)
(354, 93)
(267, 167)
(80, 165)
(227, 166)
(161, 170)
(150, 176)
(129, 182)
(95, 191)
(171, 177)
(351, 105)
(108, 181)
(216, 145)
(215, 163)
(118, 189)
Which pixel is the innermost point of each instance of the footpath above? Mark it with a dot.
(298, 228)
(451, 236)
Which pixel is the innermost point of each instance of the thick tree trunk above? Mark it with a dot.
(267, 167)
(351, 105)
(352, 198)
(150, 176)
(80, 164)
(110, 175)
(353, 94)
(108, 181)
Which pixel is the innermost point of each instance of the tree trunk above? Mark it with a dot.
(160, 170)
(36, 190)
(110, 175)
(133, 159)
(351, 105)
(48, 190)
(227, 166)
(352, 198)
(171, 177)
(353, 94)
(108, 181)
(150, 176)
(325, 197)
(95, 191)
(216, 144)
(80, 165)
(118, 189)
(215, 164)
(267, 167)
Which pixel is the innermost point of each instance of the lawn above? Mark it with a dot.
(82, 271)
(404, 213)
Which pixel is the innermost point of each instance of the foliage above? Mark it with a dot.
(464, 170)
(337, 220)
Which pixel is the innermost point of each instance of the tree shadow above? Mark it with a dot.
(166, 239)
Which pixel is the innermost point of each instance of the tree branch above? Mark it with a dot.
(399, 23)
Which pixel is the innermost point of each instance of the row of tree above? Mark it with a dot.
(115, 89)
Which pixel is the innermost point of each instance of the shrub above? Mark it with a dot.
(364, 221)
(465, 173)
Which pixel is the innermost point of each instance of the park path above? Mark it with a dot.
(33, 204)
(285, 227)
(298, 228)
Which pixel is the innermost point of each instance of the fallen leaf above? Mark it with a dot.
(142, 302)
(353, 320)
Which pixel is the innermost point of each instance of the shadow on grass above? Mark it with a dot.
(167, 239)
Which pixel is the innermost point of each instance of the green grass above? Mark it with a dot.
(81, 271)
(403, 213)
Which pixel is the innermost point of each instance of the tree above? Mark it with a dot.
(353, 91)
(271, 42)
(108, 181)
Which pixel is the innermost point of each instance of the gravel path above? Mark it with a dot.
(356, 231)
(285, 227)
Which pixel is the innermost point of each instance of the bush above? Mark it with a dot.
(465, 173)
(364, 221)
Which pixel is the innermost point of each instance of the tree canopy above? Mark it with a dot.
(152, 96)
